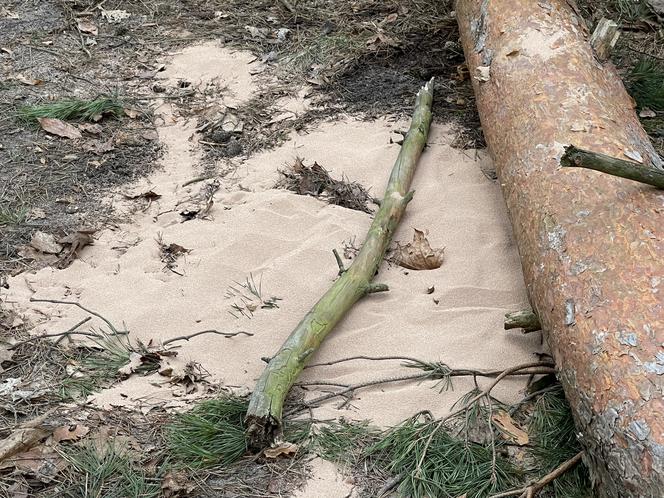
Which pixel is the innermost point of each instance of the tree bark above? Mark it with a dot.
(266, 404)
(591, 245)
(580, 158)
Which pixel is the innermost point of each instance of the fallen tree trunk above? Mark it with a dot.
(591, 245)
(264, 414)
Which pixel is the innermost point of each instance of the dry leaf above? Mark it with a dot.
(45, 242)
(506, 425)
(418, 254)
(28, 81)
(286, 449)
(380, 39)
(176, 483)
(70, 432)
(42, 259)
(257, 32)
(42, 462)
(98, 147)
(87, 26)
(135, 361)
(59, 128)
(92, 128)
(77, 241)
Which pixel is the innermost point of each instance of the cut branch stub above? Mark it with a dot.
(264, 415)
(524, 319)
(575, 157)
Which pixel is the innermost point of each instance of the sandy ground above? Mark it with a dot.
(286, 241)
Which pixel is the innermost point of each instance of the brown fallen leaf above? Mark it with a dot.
(176, 483)
(76, 241)
(71, 432)
(87, 26)
(282, 449)
(99, 147)
(92, 128)
(36, 214)
(24, 438)
(507, 426)
(42, 462)
(28, 81)
(41, 259)
(418, 254)
(59, 128)
(45, 242)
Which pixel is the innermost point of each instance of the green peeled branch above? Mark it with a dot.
(264, 416)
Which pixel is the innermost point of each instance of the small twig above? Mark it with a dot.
(531, 490)
(288, 6)
(320, 383)
(543, 369)
(342, 268)
(643, 52)
(514, 408)
(61, 335)
(494, 477)
(197, 179)
(485, 392)
(74, 303)
(362, 357)
(361, 385)
(499, 374)
(390, 485)
(191, 336)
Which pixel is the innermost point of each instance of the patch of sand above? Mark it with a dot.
(211, 63)
(286, 241)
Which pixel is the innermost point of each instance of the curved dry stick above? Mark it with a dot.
(212, 331)
(61, 335)
(363, 357)
(531, 490)
(74, 303)
(474, 399)
(545, 369)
